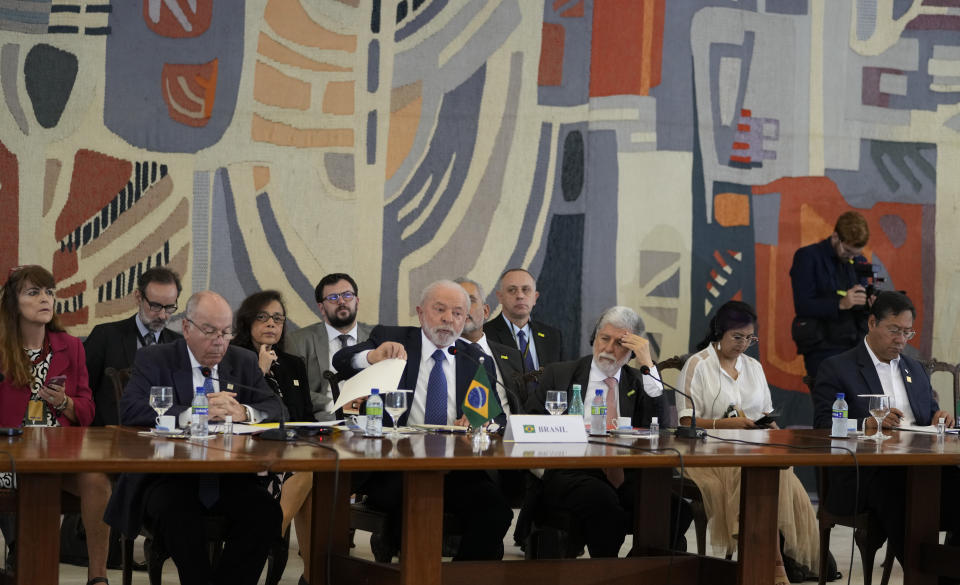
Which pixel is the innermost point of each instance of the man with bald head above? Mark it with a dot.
(174, 506)
(439, 382)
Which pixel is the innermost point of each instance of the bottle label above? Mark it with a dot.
(374, 410)
(199, 411)
(840, 414)
(598, 409)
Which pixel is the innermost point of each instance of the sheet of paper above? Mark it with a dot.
(384, 375)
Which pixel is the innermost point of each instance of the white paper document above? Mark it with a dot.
(383, 375)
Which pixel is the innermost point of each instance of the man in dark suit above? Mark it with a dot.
(337, 297)
(113, 345)
(174, 506)
(877, 366)
(513, 327)
(508, 361)
(601, 500)
(439, 382)
(829, 297)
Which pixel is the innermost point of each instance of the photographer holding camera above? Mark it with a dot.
(831, 293)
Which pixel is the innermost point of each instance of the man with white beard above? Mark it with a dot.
(601, 500)
(439, 381)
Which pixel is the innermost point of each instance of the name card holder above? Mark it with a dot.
(542, 428)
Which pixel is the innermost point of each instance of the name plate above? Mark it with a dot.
(542, 428)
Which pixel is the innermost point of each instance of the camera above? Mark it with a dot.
(864, 270)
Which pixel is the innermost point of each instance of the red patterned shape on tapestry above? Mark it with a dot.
(180, 22)
(189, 91)
(551, 55)
(96, 180)
(809, 207)
(10, 218)
(626, 47)
(65, 264)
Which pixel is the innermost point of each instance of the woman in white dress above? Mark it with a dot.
(730, 391)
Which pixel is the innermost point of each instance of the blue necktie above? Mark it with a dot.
(525, 351)
(435, 410)
(208, 484)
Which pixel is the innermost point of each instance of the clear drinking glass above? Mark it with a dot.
(161, 398)
(395, 403)
(879, 409)
(556, 401)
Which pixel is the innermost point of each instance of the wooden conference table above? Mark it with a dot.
(43, 454)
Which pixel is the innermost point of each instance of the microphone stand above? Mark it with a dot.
(691, 432)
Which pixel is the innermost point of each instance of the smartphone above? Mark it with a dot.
(768, 418)
(57, 380)
(10, 431)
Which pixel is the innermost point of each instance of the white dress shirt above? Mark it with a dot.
(334, 345)
(528, 333)
(892, 382)
(420, 392)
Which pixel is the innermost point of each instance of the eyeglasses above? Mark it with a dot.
(347, 296)
(212, 332)
(157, 307)
(749, 339)
(896, 332)
(264, 317)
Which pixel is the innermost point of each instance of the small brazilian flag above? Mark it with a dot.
(479, 405)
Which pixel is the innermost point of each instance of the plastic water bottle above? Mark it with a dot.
(576, 401)
(839, 416)
(228, 425)
(598, 414)
(199, 427)
(942, 427)
(655, 427)
(374, 414)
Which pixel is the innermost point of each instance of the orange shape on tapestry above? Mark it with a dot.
(731, 209)
(189, 91)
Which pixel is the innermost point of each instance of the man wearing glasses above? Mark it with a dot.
(113, 345)
(877, 366)
(337, 299)
(829, 297)
(174, 505)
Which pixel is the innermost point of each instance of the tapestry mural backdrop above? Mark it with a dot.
(666, 155)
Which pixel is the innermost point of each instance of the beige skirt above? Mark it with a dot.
(797, 519)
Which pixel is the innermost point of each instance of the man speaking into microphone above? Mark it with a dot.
(174, 506)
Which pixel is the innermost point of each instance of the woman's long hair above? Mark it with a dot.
(247, 316)
(13, 360)
(731, 315)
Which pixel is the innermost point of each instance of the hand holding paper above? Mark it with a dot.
(384, 375)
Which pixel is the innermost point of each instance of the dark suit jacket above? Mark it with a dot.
(113, 345)
(547, 340)
(312, 345)
(168, 364)
(634, 401)
(291, 375)
(853, 373)
(466, 362)
(510, 366)
(816, 276)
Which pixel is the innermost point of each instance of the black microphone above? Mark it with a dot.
(691, 432)
(281, 433)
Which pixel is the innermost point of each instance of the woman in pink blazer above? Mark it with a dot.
(45, 383)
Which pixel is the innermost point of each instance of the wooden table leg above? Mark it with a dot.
(758, 539)
(38, 528)
(320, 529)
(922, 521)
(422, 538)
(652, 519)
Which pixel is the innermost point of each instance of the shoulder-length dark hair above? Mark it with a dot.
(247, 316)
(731, 315)
(12, 357)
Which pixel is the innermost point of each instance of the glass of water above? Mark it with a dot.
(161, 398)
(879, 409)
(395, 404)
(556, 401)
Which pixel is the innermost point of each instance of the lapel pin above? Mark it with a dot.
(540, 334)
(503, 357)
(909, 381)
(631, 392)
(296, 383)
(229, 386)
